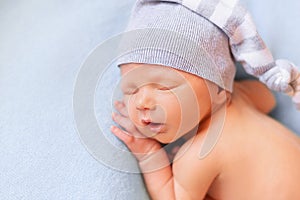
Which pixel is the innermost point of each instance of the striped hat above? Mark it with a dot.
(215, 33)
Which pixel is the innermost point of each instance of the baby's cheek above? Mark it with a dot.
(189, 109)
(130, 112)
(130, 107)
(172, 109)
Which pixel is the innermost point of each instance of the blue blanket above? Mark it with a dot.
(42, 46)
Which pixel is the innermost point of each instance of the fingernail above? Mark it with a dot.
(112, 128)
(119, 103)
(115, 103)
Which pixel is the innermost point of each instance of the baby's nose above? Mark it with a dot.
(145, 99)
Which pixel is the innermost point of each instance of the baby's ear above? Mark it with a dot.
(219, 96)
(259, 95)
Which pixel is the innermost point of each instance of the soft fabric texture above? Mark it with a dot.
(206, 23)
(209, 40)
(42, 46)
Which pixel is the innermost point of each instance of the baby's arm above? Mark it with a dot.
(190, 177)
(152, 159)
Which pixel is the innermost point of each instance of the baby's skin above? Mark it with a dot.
(253, 157)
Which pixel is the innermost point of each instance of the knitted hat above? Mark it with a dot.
(221, 31)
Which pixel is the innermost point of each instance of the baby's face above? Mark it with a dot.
(162, 102)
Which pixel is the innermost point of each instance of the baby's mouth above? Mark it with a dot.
(153, 126)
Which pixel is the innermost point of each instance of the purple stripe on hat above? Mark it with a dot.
(235, 20)
(207, 8)
(248, 45)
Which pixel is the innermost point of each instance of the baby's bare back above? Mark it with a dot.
(255, 158)
(261, 158)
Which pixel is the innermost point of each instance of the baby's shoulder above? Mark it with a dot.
(255, 94)
(199, 151)
(193, 171)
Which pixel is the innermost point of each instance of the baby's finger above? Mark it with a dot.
(139, 147)
(121, 108)
(122, 135)
(124, 122)
(127, 124)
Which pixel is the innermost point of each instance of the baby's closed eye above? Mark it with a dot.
(165, 88)
(130, 91)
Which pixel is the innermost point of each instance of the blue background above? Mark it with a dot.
(42, 45)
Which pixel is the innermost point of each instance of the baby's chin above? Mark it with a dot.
(164, 137)
(167, 134)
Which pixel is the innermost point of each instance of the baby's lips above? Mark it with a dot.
(156, 127)
(146, 121)
(149, 121)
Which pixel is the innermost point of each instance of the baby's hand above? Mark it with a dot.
(139, 145)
